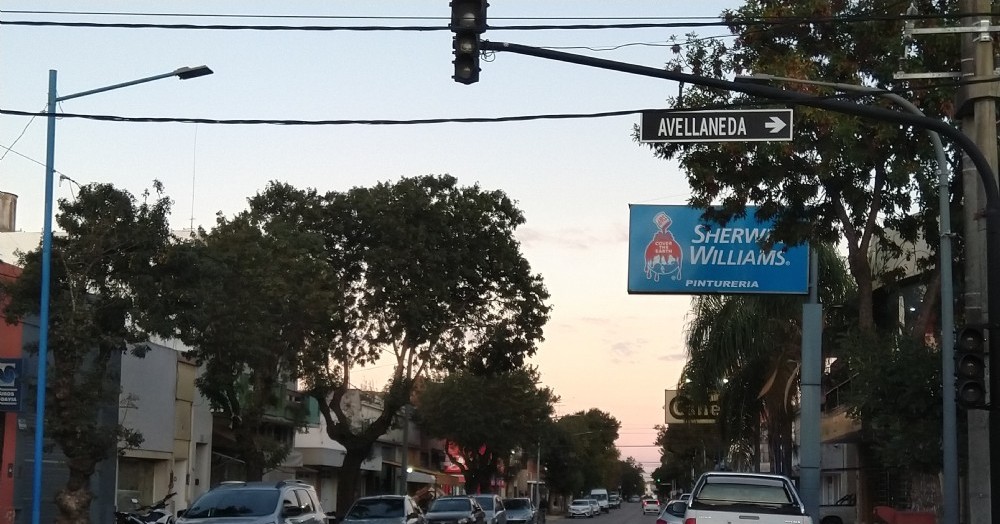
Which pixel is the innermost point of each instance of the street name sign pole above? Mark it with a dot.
(739, 125)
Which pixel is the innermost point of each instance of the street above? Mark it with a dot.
(629, 513)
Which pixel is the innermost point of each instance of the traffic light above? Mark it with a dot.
(468, 21)
(970, 368)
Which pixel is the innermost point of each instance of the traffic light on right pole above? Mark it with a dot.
(468, 21)
(970, 368)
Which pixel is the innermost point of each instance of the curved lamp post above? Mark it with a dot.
(949, 443)
(182, 73)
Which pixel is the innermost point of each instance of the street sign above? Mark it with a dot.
(673, 250)
(734, 125)
(679, 409)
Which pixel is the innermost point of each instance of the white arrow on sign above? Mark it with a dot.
(776, 124)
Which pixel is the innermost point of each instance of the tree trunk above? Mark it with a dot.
(348, 489)
(73, 500)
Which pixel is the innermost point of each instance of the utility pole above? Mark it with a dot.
(977, 107)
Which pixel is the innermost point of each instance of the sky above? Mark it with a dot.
(573, 178)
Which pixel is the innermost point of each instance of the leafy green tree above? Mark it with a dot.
(562, 461)
(485, 418)
(425, 271)
(102, 271)
(866, 185)
(688, 451)
(843, 179)
(593, 433)
(631, 479)
(244, 298)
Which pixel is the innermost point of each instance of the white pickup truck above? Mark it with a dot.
(720, 497)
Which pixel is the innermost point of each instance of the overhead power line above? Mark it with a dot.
(748, 103)
(776, 21)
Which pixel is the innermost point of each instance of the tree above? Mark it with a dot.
(867, 185)
(843, 179)
(631, 481)
(244, 297)
(593, 433)
(102, 271)
(485, 419)
(747, 350)
(688, 450)
(562, 461)
(424, 270)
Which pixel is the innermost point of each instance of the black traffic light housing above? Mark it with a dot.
(468, 21)
(970, 368)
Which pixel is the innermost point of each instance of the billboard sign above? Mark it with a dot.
(672, 250)
(679, 409)
(10, 384)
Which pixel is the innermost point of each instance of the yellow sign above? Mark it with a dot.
(679, 409)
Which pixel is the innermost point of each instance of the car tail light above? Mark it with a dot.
(661, 521)
(690, 521)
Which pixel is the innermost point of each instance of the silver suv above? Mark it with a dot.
(291, 501)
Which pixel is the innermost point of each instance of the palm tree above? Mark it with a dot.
(747, 350)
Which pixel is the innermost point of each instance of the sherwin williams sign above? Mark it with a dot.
(673, 251)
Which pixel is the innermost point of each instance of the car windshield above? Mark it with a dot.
(451, 505)
(234, 503)
(517, 504)
(376, 509)
(763, 493)
(486, 503)
(581, 502)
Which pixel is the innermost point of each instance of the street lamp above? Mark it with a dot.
(949, 444)
(182, 73)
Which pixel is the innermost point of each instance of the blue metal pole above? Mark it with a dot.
(43, 309)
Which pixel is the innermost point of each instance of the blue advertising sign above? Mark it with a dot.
(672, 250)
(10, 384)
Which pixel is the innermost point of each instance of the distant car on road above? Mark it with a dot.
(580, 508)
(651, 506)
(634, 498)
(614, 501)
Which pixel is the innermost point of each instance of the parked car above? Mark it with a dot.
(580, 508)
(601, 495)
(672, 513)
(256, 503)
(493, 506)
(520, 511)
(720, 496)
(651, 505)
(614, 501)
(462, 510)
(384, 509)
(596, 504)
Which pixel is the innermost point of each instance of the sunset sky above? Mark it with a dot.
(573, 178)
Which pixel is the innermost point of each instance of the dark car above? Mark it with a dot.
(494, 508)
(256, 503)
(455, 510)
(384, 509)
(520, 511)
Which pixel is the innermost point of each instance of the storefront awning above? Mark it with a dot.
(420, 477)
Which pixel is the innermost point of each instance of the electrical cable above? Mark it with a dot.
(425, 121)
(776, 21)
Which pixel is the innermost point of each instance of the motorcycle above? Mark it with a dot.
(156, 513)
